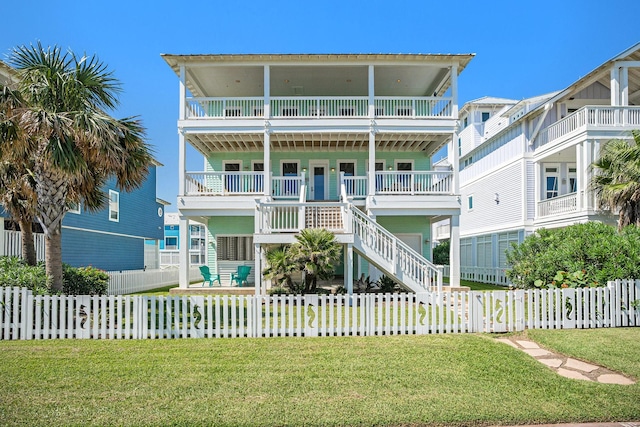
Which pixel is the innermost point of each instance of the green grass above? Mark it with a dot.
(477, 286)
(394, 380)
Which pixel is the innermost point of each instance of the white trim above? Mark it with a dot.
(355, 165)
(319, 163)
(261, 161)
(107, 232)
(283, 161)
(76, 211)
(383, 161)
(546, 174)
(231, 162)
(470, 198)
(396, 161)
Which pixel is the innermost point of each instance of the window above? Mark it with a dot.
(289, 169)
(484, 249)
(114, 206)
(74, 208)
(573, 181)
(348, 168)
(347, 111)
(317, 111)
(459, 147)
(466, 252)
(470, 203)
(234, 248)
(465, 122)
(504, 245)
(232, 112)
(171, 243)
(485, 116)
(551, 182)
(403, 111)
(289, 111)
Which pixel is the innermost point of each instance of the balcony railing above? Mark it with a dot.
(286, 187)
(591, 116)
(291, 217)
(319, 107)
(414, 182)
(558, 205)
(224, 183)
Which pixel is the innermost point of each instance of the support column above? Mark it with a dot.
(183, 275)
(267, 162)
(538, 184)
(454, 91)
(257, 258)
(596, 155)
(588, 160)
(267, 92)
(372, 163)
(182, 164)
(624, 86)
(615, 86)
(2, 236)
(183, 94)
(454, 251)
(581, 176)
(348, 268)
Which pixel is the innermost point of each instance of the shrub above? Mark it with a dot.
(84, 281)
(579, 255)
(441, 253)
(15, 272)
(386, 284)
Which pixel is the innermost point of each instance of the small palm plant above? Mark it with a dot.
(280, 267)
(316, 252)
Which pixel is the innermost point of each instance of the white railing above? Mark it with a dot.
(355, 187)
(224, 183)
(283, 217)
(558, 205)
(416, 107)
(131, 281)
(287, 187)
(591, 116)
(13, 244)
(414, 182)
(395, 256)
(319, 107)
(491, 275)
(224, 108)
(25, 316)
(443, 232)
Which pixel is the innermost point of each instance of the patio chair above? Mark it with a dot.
(240, 276)
(208, 276)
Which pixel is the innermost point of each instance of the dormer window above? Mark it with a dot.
(485, 116)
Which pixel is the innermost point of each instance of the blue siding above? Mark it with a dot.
(138, 212)
(104, 251)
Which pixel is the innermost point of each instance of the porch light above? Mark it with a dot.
(304, 169)
(333, 169)
(390, 168)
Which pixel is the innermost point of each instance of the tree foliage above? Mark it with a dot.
(593, 251)
(441, 253)
(616, 180)
(59, 124)
(316, 252)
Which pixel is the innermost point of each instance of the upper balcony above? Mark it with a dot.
(607, 121)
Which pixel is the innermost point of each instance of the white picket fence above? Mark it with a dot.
(27, 316)
(131, 281)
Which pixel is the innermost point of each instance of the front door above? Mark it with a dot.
(318, 179)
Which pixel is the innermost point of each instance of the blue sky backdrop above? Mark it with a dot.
(522, 49)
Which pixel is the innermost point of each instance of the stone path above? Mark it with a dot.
(567, 366)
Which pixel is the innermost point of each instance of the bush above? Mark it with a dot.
(76, 281)
(441, 253)
(84, 281)
(15, 272)
(581, 255)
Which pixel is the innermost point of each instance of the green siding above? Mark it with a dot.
(420, 162)
(409, 224)
(226, 226)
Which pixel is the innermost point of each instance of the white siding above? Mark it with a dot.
(486, 213)
(503, 149)
(531, 199)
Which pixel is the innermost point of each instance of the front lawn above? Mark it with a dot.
(392, 380)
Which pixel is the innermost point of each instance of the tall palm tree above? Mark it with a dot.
(75, 145)
(316, 251)
(617, 179)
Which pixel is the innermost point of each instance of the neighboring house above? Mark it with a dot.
(337, 141)
(123, 236)
(169, 247)
(525, 164)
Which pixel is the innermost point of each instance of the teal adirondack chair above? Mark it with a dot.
(240, 276)
(208, 276)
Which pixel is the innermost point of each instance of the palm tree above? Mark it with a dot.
(280, 267)
(74, 144)
(617, 179)
(316, 252)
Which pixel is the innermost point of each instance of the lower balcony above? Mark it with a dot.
(567, 203)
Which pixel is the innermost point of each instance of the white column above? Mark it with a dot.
(455, 164)
(581, 176)
(596, 155)
(615, 86)
(454, 91)
(588, 159)
(183, 93)
(624, 86)
(372, 107)
(538, 188)
(183, 275)
(257, 257)
(267, 162)
(454, 251)
(372, 163)
(182, 163)
(267, 92)
(348, 268)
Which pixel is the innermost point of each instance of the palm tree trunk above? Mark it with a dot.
(28, 246)
(53, 259)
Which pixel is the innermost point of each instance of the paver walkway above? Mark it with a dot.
(567, 366)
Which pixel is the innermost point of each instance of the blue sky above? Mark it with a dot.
(522, 48)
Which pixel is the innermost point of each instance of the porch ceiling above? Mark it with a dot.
(427, 143)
